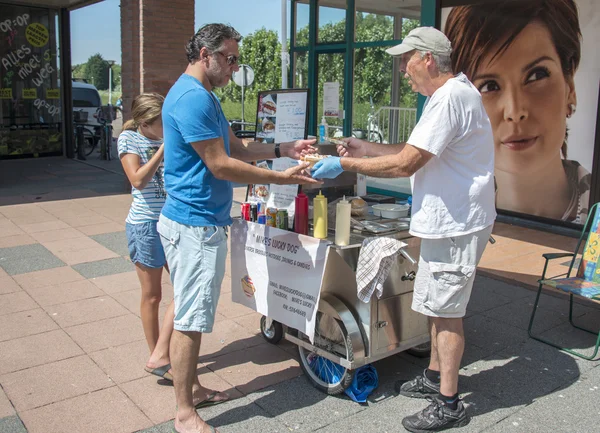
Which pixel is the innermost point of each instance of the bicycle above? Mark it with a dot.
(371, 134)
(83, 134)
(105, 116)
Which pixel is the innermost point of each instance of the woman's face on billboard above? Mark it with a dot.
(527, 97)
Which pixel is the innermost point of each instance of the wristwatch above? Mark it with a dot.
(277, 151)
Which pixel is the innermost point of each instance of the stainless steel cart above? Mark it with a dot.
(350, 333)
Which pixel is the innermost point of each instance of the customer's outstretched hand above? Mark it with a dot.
(297, 175)
(299, 148)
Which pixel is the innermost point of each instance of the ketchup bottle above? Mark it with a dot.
(301, 214)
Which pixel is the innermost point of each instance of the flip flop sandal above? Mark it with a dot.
(161, 372)
(210, 401)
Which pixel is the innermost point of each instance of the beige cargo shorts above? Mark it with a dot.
(446, 273)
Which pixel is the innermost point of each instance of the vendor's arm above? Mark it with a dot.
(403, 164)
(430, 137)
(222, 166)
(356, 148)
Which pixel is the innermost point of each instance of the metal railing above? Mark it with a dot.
(395, 123)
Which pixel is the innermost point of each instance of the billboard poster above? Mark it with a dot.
(537, 67)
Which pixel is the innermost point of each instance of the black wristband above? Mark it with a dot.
(277, 151)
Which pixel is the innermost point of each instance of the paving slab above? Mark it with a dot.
(115, 241)
(490, 333)
(28, 258)
(6, 407)
(88, 413)
(574, 409)
(25, 323)
(15, 302)
(65, 292)
(8, 285)
(255, 368)
(105, 267)
(33, 350)
(311, 408)
(241, 416)
(155, 397)
(106, 333)
(12, 424)
(53, 382)
(44, 278)
(85, 311)
(513, 384)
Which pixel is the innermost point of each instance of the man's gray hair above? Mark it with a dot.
(443, 63)
(210, 36)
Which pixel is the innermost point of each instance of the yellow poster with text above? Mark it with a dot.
(52, 93)
(6, 93)
(30, 93)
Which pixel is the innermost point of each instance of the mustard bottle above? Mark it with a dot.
(320, 216)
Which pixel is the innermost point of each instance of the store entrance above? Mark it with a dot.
(30, 97)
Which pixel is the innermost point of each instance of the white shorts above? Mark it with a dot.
(446, 273)
(196, 257)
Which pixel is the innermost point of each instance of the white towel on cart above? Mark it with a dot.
(377, 255)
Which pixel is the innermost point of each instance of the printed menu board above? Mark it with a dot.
(282, 115)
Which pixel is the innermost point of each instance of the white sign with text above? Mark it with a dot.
(277, 273)
(331, 99)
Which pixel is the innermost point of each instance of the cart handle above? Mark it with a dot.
(407, 256)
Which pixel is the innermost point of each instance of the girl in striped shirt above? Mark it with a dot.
(141, 151)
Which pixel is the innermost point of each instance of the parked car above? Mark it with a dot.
(86, 98)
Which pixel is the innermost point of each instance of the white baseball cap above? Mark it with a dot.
(423, 39)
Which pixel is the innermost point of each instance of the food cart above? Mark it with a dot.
(350, 333)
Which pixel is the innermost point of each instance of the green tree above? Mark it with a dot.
(78, 71)
(116, 76)
(96, 71)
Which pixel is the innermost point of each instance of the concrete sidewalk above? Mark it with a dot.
(72, 349)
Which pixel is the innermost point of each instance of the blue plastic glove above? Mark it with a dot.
(327, 168)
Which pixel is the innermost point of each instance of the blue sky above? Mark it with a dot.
(245, 15)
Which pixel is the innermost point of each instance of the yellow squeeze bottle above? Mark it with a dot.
(320, 216)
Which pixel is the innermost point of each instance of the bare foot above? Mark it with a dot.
(192, 423)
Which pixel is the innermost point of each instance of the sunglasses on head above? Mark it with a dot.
(231, 60)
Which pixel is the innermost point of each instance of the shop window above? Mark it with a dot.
(373, 27)
(86, 98)
(301, 73)
(302, 17)
(30, 117)
(332, 21)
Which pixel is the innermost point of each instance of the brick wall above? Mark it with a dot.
(153, 38)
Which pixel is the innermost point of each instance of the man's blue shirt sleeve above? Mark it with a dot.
(196, 116)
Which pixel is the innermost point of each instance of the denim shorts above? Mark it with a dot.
(196, 257)
(144, 245)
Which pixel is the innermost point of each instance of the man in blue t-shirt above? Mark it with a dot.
(202, 158)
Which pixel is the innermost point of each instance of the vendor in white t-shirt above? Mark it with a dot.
(450, 160)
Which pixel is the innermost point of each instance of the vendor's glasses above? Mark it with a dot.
(231, 60)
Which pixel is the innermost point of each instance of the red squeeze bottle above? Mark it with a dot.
(301, 215)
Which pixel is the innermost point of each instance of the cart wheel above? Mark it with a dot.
(274, 333)
(420, 351)
(325, 375)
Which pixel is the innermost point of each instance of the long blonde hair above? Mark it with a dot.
(145, 108)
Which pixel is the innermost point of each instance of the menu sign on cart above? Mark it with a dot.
(277, 273)
(281, 116)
